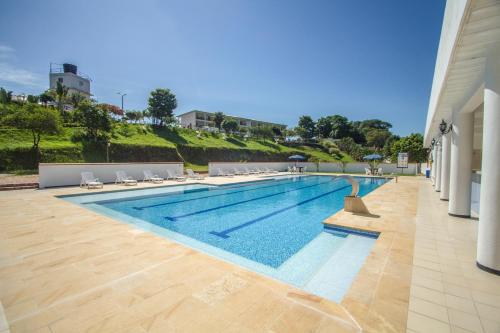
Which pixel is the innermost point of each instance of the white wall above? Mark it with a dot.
(357, 167)
(65, 174)
(70, 81)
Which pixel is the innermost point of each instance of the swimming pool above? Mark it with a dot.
(273, 226)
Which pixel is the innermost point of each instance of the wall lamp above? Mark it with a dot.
(444, 128)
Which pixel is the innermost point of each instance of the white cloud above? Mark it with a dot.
(10, 73)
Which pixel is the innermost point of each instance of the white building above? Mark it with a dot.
(68, 75)
(465, 101)
(203, 119)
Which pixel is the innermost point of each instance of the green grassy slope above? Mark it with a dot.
(140, 136)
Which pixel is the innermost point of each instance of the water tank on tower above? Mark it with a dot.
(69, 68)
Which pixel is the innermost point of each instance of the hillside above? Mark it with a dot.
(134, 142)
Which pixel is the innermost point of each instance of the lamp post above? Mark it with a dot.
(122, 95)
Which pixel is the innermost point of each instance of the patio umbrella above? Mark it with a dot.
(372, 157)
(296, 158)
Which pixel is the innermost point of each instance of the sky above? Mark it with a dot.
(271, 60)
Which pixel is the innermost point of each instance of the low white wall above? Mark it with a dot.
(356, 167)
(65, 174)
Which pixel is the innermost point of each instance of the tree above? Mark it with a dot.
(263, 132)
(33, 99)
(341, 127)
(134, 116)
(218, 119)
(230, 125)
(324, 127)
(95, 119)
(162, 103)
(37, 119)
(111, 109)
(277, 131)
(5, 96)
(76, 99)
(46, 97)
(306, 128)
(412, 144)
(376, 138)
(61, 95)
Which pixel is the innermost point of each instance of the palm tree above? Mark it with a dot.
(61, 94)
(5, 96)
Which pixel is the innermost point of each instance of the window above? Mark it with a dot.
(60, 80)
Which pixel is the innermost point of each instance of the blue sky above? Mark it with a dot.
(267, 59)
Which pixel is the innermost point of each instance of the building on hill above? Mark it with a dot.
(68, 75)
(205, 120)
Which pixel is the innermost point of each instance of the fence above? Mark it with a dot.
(356, 167)
(65, 174)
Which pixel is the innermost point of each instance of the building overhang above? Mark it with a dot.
(470, 29)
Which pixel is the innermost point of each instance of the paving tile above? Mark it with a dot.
(429, 309)
(429, 295)
(488, 312)
(461, 304)
(423, 324)
(465, 320)
(490, 326)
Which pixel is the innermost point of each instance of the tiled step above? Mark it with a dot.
(22, 186)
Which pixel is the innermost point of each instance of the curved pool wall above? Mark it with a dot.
(273, 226)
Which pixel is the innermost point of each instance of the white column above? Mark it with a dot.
(433, 166)
(437, 186)
(488, 242)
(445, 167)
(461, 164)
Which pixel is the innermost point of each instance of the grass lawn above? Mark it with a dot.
(143, 135)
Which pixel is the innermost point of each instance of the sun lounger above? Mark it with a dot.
(221, 173)
(380, 172)
(174, 176)
(150, 177)
(89, 181)
(368, 172)
(271, 170)
(122, 178)
(251, 172)
(194, 175)
(240, 172)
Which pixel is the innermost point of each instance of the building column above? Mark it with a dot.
(433, 166)
(445, 167)
(462, 137)
(488, 242)
(437, 185)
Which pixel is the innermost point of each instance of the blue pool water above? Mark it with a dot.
(272, 226)
(266, 221)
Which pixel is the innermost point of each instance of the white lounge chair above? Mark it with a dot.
(240, 172)
(271, 170)
(174, 176)
(194, 175)
(122, 178)
(380, 172)
(89, 181)
(368, 172)
(259, 170)
(221, 173)
(251, 172)
(150, 177)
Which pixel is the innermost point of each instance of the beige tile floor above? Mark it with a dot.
(64, 268)
(448, 292)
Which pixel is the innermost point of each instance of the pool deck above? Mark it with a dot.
(65, 268)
